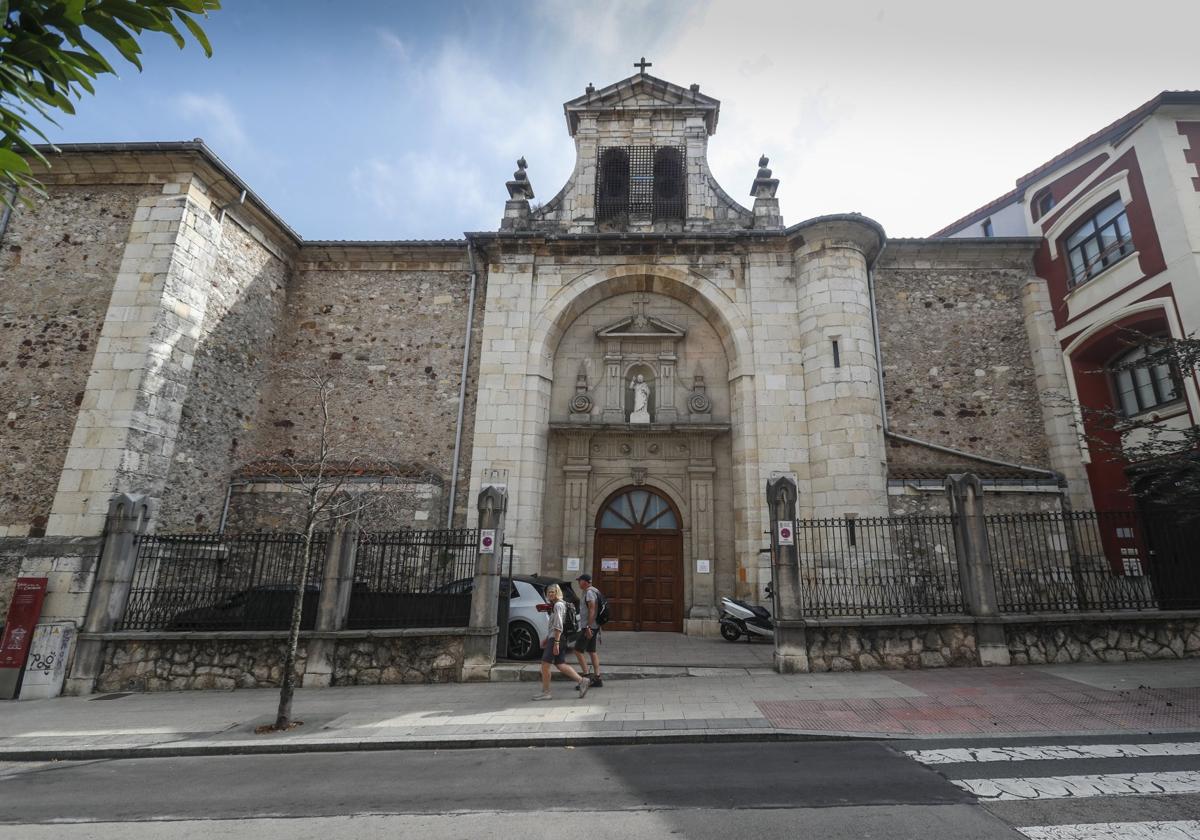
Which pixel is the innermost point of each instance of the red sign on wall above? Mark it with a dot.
(23, 614)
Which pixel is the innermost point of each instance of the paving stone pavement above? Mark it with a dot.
(1142, 697)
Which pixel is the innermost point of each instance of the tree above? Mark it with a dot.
(1163, 460)
(49, 56)
(327, 476)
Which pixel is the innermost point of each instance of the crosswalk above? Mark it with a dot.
(1048, 773)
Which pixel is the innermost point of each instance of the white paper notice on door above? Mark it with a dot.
(610, 564)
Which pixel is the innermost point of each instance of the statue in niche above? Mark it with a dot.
(641, 400)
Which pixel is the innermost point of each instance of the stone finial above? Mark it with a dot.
(519, 187)
(590, 89)
(581, 401)
(699, 403)
(764, 185)
(766, 205)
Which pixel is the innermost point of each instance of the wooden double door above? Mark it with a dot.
(638, 561)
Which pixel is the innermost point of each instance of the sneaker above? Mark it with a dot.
(583, 687)
(545, 695)
(596, 682)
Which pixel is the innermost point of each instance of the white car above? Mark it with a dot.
(527, 625)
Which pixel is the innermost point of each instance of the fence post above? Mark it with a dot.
(479, 648)
(964, 492)
(333, 606)
(791, 636)
(128, 516)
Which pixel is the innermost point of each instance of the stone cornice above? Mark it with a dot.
(1013, 253)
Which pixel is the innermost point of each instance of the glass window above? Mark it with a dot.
(1098, 241)
(639, 509)
(1141, 387)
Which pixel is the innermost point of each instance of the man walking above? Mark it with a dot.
(589, 635)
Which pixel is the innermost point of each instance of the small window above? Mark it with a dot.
(987, 228)
(639, 509)
(837, 353)
(668, 184)
(1043, 204)
(1100, 240)
(1143, 382)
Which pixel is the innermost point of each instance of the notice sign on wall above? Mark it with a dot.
(487, 541)
(786, 533)
(572, 564)
(23, 612)
(610, 564)
(703, 567)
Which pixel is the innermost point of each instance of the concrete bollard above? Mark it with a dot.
(479, 649)
(964, 492)
(791, 636)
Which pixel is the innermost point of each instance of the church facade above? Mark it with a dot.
(634, 358)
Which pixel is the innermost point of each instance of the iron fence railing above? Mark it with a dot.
(221, 582)
(903, 565)
(1088, 560)
(414, 578)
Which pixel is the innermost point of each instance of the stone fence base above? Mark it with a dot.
(859, 644)
(224, 660)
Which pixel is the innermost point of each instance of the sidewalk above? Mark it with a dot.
(718, 705)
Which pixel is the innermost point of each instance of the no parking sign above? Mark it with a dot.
(487, 541)
(786, 533)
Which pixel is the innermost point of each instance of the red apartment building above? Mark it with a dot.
(1118, 215)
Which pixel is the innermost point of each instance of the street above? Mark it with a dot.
(1049, 788)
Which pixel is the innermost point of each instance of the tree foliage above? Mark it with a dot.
(51, 52)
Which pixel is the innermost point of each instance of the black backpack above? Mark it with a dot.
(602, 615)
(570, 621)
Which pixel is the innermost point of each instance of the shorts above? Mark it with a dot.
(585, 645)
(548, 654)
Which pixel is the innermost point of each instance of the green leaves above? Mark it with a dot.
(50, 53)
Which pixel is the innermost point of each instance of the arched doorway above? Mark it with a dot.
(638, 560)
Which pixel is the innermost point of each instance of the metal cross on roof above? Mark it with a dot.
(643, 64)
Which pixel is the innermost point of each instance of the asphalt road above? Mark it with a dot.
(797, 790)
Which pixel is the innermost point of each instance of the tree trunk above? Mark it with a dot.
(287, 687)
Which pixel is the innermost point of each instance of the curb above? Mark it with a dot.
(680, 736)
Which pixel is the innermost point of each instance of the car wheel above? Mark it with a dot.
(522, 641)
(730, 631)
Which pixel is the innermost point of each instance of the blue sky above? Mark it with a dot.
(402, 120)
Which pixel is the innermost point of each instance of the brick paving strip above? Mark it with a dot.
(1001, 701)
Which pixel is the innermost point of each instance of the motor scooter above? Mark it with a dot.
(741, 619)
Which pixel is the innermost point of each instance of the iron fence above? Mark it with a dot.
(1088, 560)
(221, 582)
(902, 565)
(414, 578)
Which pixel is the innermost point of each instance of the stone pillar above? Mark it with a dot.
(124, 435)
(847, 454)
(127, 518)
(576, 478)
(1059, 418)
(479, 653)
(333, 607)
(964, 492)
(701, 503)
(791, 637)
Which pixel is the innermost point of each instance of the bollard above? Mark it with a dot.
(791, 636)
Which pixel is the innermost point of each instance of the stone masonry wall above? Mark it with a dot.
(958, 370)
(869, 648)
(390, 329)
(58, 262)
(225, 393)
(68, 564)
(182, 664)
(1103, 641)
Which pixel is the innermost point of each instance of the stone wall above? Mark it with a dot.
(58, 261)
(68, 564)
(223, 661)
(869, 648)
(389, 325)
(1111, 640)
(225, 392)
(958, 369)
(905, 501)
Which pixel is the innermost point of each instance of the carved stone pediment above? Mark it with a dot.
(642, 326)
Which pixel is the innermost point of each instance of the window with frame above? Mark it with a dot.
(1143, 380)
(1098, 241)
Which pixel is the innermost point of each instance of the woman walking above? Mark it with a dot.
(554, 649)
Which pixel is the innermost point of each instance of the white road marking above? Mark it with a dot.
(965, 755)
(1178, 830)
(1069, 787)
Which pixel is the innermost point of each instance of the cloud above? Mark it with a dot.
(214, 118)
(404, 189)
(392, 43)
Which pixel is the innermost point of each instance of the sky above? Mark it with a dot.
(379, 119)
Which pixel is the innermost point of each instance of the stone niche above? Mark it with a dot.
(673, 348)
